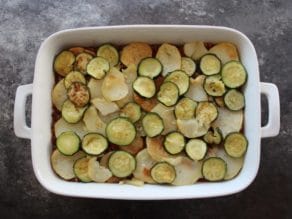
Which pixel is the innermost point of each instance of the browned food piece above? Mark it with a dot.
(158, 81)
(146, 104)
(133, 53)
(63, 63)
(81, 62)
(136, 146)
(77, 50)
(78, 93)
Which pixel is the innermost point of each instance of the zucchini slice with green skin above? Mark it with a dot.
(132, 111)
(120, 131)
(235, 144)
(149, 67)
(163, 172)
(71, 113)
(63, 63)
(210, 64)
(206, 112)
(196, 149)
(144, 86)
(152, 124)
(188, 66)
(74, 76)
(174, 143)
(78, 93)
(233, 74)
(214, 86)
(121, 164)
(234, 100)
(181, 79)
(80, 169)
(82, 61)
(110, 53)
(214, 169)
(68, 143)
(168, 93)
(185, 109)
(98, 67)
(94, 144)
(214, 136)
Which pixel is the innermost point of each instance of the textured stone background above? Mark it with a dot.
(25, 24)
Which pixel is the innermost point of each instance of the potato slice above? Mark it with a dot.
(170, 58)
(105, 107)
(187, 172)
(59, 94)
(146, 104)
(136, 146)
(104, 159)
(192, 128)
(97, 172)
(133, 53)
(225, 52)
(134, 182)
(195, 50)
(94, 86)
(93, 122)
(62, 126)
(228, 121)
(63, 165)
(114, 86)
(196, 90)
(143, 166)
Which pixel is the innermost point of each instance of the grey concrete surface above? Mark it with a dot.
(25, 24)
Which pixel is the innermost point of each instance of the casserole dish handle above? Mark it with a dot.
(20, 127)
(272, 128)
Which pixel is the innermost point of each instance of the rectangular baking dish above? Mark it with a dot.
(40, 131)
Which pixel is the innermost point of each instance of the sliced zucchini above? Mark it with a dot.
(98, 173)
(196, 91)
(63, 165)
(214, 86)
(152, 124)
(168, 93)
(82, 61)
(185, 108)
(188, 66)
(132, 111)
(74, 76)
(144, 86)
(144, 165)
(98, 67)
(104, 106)
(121, 131)
(214, 169)
(195, 50)
(225, 52)
(110, 53)
(81, 168)
(149, 67)
(163, 172)
(174, 143)
(213, 137)
(59, 94)
(234, 100)
(71, 113)
(78, 93)
(121, 164)
(233, 74)
(63, 63)
(68, 143)
(93, 122)
(94, 144)
(235, 144)
(181, 79)
(210, 64)
(170, 58)
(133, 53)
(196, 149)
(206, 112)
(192, 128)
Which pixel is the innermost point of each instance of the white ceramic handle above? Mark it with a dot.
(20, 127)
(272, 128)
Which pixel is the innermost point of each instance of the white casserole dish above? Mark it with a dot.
(40, 131)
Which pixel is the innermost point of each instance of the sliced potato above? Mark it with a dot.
(63, 63)
(109, 117)
(93, 122)
(105, 107)
(114, 86)
(192, 128)
(59, 94)
(94, 86)
(228, 121)
(63, 165)
(136, 146)
(133, 53)
(76, 50)
(62, 126)
(134, 182)
(96, 172)
(104, 159)
(167, 115)
(170, 58)
(196, 90)
(144, 163)
(225, 52)
(187, 172)
(195, 50)
(146, 104)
